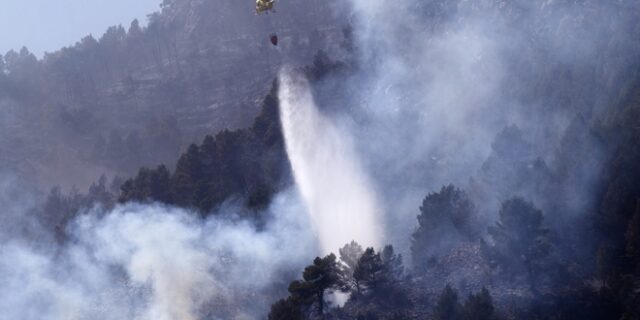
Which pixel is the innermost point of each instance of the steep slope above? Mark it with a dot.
(138, 96)
(250, 164)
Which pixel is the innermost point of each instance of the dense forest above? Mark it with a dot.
(503, 150)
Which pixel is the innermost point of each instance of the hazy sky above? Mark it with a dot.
(48, 25)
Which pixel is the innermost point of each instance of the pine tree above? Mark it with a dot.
(134, 29)
(186, 179)
(392, 263)
(318, 278)
(148, 185)
(349, 255)
(520, 241)
(368, 271)
(378, 272)
(443, 215)
(285, 309)
(478, 306)
(448, 307)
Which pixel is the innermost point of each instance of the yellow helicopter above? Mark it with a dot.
(264, 5)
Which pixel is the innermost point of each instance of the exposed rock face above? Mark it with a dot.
(138, 97)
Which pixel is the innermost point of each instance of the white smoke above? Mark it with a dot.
(433, 96)
(156, 262)
(436, 80)
(337, 191)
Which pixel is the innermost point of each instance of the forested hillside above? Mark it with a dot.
(248, 166)
(481, 157)
(139, 94)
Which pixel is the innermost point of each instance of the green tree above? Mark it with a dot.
(392, 263)
(57, 211)
(318, 278)
(134, 29)
(22, 63)
(443, 215)
(520, 242)
(285, 309)
(368, 271)
(186, 180)
(113, 37)
(448, 307)
(349, 255)
(478, 306)
(377, 272)
(99, 193)
(148, 185)
(512, 167)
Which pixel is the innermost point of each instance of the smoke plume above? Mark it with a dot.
(157, 262)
